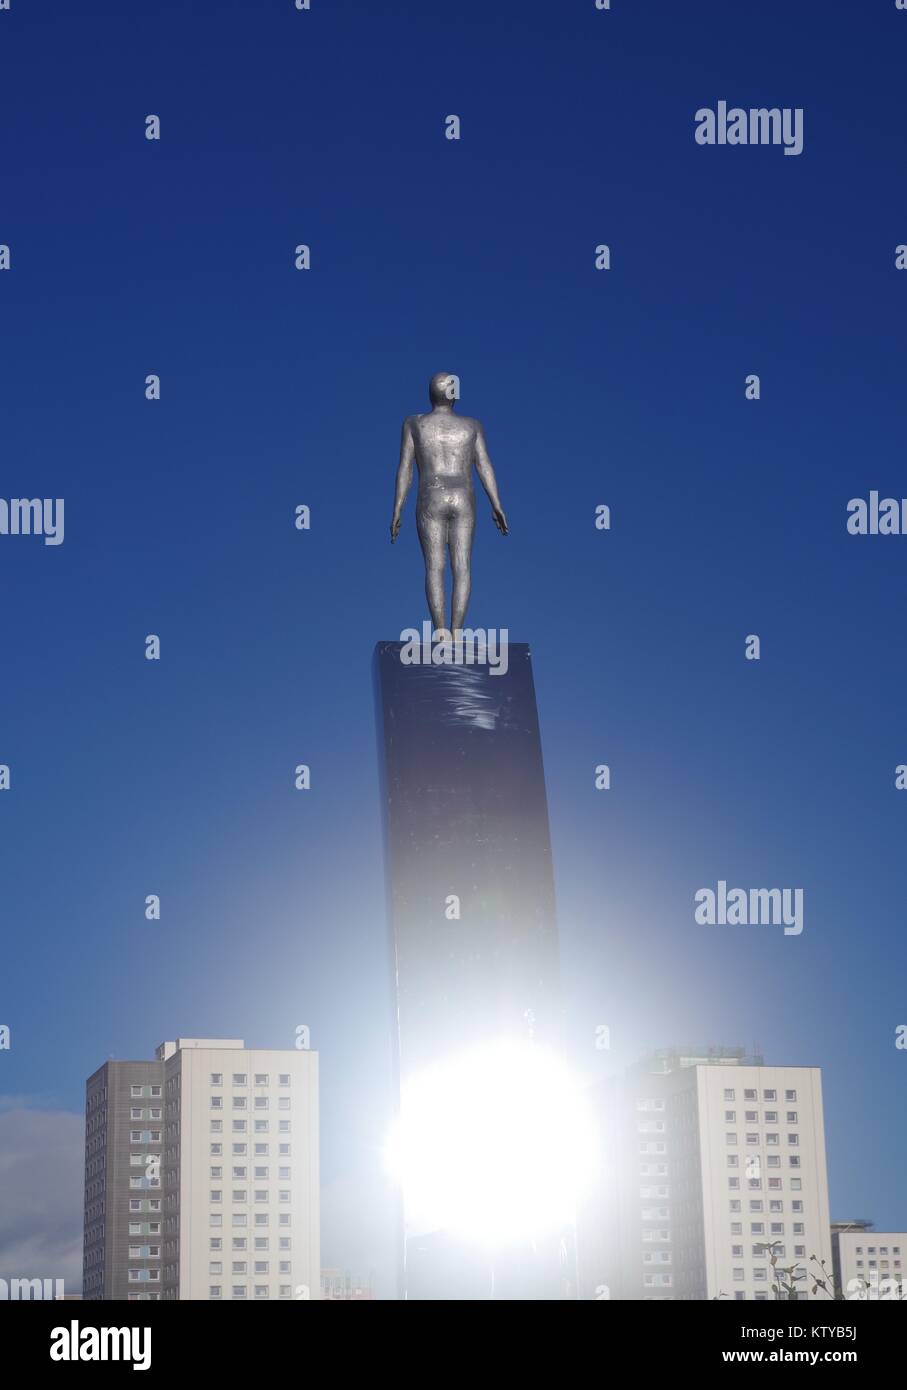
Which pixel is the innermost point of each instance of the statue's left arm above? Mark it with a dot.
(488, 480)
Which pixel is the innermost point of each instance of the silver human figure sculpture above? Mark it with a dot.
(445, 447)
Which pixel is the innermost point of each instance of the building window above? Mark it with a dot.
(261, 1078)
(217, 1078)
(790, 1095)
(284, 1080)
(239, 1078)
(217, 1102)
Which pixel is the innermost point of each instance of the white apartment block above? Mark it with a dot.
(869, 1264)
(713, 1156)
(202, 1175)
(764, 1179)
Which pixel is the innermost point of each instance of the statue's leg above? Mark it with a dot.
(433, 539)
(462, 527)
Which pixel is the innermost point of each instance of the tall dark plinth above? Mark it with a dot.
(470, 887)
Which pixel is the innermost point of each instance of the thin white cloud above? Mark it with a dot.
(41, 1164)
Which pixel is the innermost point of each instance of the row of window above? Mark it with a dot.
(751, 1117)
(882, 1250)
(240, 1173)
(241, 1195)
(240, 1078)
(239, 1150)
(240, 1291)
(755, 1184)
(242, 1127)
(242, 1267)
(241, 1243)
(756, 1205)
(769, 1095)
(774, 1138)
(258, 1102)
(759, 1252)
(240, 1219)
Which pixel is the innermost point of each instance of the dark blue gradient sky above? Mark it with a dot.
(282, 387)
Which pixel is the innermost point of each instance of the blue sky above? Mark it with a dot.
(282, 387)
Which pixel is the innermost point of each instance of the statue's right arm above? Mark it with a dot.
(404, 475)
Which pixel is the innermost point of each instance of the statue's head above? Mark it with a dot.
(443, 389)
